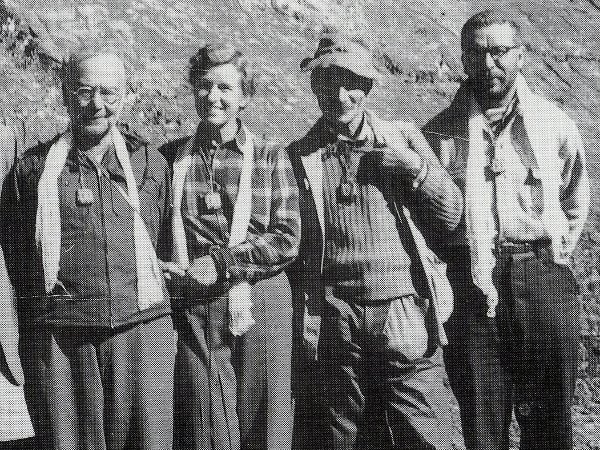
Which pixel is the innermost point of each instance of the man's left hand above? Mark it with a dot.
(203, 272)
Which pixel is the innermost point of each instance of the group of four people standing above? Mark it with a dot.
(99, 231)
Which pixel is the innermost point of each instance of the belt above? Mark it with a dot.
(514, 248)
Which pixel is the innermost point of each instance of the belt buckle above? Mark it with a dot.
(513, 248)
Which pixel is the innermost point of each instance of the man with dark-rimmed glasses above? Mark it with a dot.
(520, 162)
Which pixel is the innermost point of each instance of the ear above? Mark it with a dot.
(520, 57)
(245, 101)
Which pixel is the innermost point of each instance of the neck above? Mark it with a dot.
(225, 133)
(94, 147)
(487, 102)
(350, 129)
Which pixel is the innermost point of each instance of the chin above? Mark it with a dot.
(95, 130)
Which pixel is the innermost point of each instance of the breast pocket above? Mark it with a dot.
(74, 214)
(531, 192)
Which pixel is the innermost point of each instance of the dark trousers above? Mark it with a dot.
(309, 419)
(20, 444)
(100, 389)
(205, 382)
(262, 361)
(374, 397)
(525, 357)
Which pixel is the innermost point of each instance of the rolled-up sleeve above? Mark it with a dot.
(575, 186)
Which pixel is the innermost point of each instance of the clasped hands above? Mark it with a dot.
(201, 274)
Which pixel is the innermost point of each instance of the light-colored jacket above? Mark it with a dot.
(14, 418)
(558, 151)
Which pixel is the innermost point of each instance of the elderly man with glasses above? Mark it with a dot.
(519, 160)
(82, 216)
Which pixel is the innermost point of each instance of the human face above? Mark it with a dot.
(102, 76)
(340, 93)
(492, 70)
(219, 96)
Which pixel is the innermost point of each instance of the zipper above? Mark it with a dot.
(105, 239)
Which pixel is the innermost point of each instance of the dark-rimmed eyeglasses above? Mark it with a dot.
(86, 93)
(496, 51)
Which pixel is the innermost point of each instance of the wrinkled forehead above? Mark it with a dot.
(494, 35)
(101, 69)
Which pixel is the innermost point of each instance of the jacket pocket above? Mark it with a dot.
(443, 297)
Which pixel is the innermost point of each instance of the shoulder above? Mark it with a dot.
(314, 139)
(32, 160)
(142, 155)
(170, 149)
(269, 151)
(547, 109)
(442, 120)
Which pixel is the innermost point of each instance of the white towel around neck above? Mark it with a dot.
(480, 223)
(48, 227)
(240, 302)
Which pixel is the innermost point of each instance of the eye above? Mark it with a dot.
(224, 87)
(203, 87)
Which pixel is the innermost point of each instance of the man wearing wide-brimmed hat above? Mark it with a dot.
(365, 272)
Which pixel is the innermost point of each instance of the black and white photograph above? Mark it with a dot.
(299, 225)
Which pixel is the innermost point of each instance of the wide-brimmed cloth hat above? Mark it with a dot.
(345, 53)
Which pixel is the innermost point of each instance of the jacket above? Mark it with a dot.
(97, 280)
(437, 201)
(558, 151)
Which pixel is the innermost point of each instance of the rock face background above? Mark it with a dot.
(419, 40)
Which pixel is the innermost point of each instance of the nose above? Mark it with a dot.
(213, 94)
(343, 95)
(97, 101)
(489, 61)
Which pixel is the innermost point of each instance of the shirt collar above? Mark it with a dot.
(363, 134)
(203, 141)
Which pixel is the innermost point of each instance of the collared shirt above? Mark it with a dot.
(518, 201)
(97, 277)
(546, 141)
(274, 229)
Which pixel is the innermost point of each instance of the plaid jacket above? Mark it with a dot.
(274, 231)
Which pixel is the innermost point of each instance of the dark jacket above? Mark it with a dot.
(97, 280)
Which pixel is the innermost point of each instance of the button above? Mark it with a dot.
(525, 409)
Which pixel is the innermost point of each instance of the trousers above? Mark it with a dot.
(525, 357)
(262, 361)
(205, 382)
(100, 389)
(374, 397)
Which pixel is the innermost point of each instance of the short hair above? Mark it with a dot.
(70, 67)
(217, 54)
(486, 18)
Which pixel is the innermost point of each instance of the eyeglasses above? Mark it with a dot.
(496, 52)
(86, 93)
